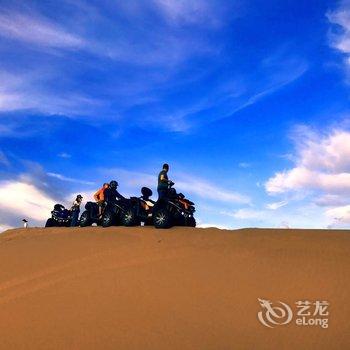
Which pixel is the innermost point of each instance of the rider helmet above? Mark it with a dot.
(113, 184)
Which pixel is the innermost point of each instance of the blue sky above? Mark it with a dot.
(247, 100)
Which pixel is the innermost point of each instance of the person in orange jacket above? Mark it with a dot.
(99, 197)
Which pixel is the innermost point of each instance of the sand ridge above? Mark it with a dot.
(142, 288)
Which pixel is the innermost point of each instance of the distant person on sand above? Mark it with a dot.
(163, 182)
(99, 197)
(112, 194)
(76, 210)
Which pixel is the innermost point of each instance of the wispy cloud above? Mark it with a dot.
(190, 184)
(64, 155)
(210, 191)
(33, 91)
(49, 87)
(69, 179)
(281, 71)
(339, 215)
(4, 161)
(246, 213)
(276, 205)
(301, 215)
(204, 12)
(244, 165)
(163, 47)
(160, 56)
(37, 30)
(339, 35)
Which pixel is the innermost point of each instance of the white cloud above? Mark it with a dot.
(340, 39)
(329, 152)
(246, 214)
(32, 91)
(323, 163)
(25, 200)
(36, 30)
(321, 173)
(276, 205)
(32, 195)
(329, 200)
(205, 189)
(301, 178)
(339, 215)
(69, 179)
(196, 12)
(298, 215)
(64, 155)
(285, 79)
(4, 228)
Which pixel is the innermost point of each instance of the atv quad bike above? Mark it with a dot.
(60, 217)
(140, 209)
(115, 212)
(90, 215)
(173, 210)
(112, 213)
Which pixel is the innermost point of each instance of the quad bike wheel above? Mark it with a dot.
(162, 219)
(50, 223)
(108, 219)
(129, 218)
(191, 222)
(85, 219)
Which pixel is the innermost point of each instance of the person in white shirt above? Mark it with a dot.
(76, 210)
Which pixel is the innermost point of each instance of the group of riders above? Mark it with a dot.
(109, 193)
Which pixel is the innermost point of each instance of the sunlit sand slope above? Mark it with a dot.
(141, 288)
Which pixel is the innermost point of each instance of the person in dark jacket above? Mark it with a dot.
(112, 194)
(163, 182)
(76, 210)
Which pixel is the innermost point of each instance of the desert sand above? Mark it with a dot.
(141, 288)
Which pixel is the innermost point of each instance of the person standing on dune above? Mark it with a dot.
(163, 182)
(99, 197)
(76, 210)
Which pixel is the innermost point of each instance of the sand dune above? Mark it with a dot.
(141, 288)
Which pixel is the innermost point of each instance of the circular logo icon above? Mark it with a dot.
(274, 315)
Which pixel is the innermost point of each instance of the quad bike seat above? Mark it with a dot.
(146, 192)
(91, 205)
(58, 207)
